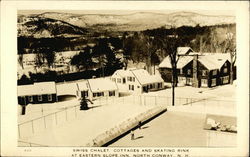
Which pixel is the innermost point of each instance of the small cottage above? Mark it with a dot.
(136, 81)
(82, 89)
(42, 92)
(101, 87)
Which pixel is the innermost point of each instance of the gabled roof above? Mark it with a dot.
(184, 50)
(83, 85)
(144, 77)
(182, 61)
(209, 60)
(123, 73)
(37, 89)
(101, 84)
(213, 61)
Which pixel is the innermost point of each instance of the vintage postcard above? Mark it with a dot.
(124, 79)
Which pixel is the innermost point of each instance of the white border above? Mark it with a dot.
(9, 64)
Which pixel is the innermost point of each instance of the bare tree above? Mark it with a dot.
(169, 45)
(230, 47)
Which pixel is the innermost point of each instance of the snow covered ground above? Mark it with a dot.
(64, 124)
(177, 129)
(81, 126)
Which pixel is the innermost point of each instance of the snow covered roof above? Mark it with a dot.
(214, 61)
(66, 88)
(209, 60)
(101, 84)
(83, 85)
(184, 50)
(145, 78)
(37, 89)
(182, 61)
(123, 73)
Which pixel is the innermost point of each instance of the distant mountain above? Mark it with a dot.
(139, 21)
(127, 22)
(45, 27)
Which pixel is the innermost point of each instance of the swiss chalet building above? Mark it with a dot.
(198, 70)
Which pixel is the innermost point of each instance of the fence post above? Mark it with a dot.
(140, 100)
(75, 111)
(44, 122)
(19, 131)
(145, 101)
(106, 100)
(56, 117)
(66, 115)
(32, 126)
(155, 101)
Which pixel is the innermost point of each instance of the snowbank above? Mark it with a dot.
(124, 127)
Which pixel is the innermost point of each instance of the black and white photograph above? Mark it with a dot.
(127, 79)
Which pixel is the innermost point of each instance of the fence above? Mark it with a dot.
(221, 139)
(37, 125)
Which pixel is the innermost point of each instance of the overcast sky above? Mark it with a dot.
(120, 12)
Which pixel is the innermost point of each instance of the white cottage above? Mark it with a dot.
(83, 89)
(136, 81)
(102, 87)
(41, 92)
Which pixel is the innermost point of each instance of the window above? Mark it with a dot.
(131, 87)
(138, 86)
(128, 78)
(113, 79)
(111, 93)
(100, 94)
(119, 80)
(213, 83)
(49, 97)
(159, 85)
(225, 79)
(40, 98)
(124, 80)
(214, 72)
(131, 79)
(94, 94)
(225, 70)
(189, 81)
(181, 71)
(204, 82)
(189, 71)
(151, 86)
(204, 72)
(30, 98)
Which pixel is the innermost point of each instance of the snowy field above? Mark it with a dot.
(64, 119)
